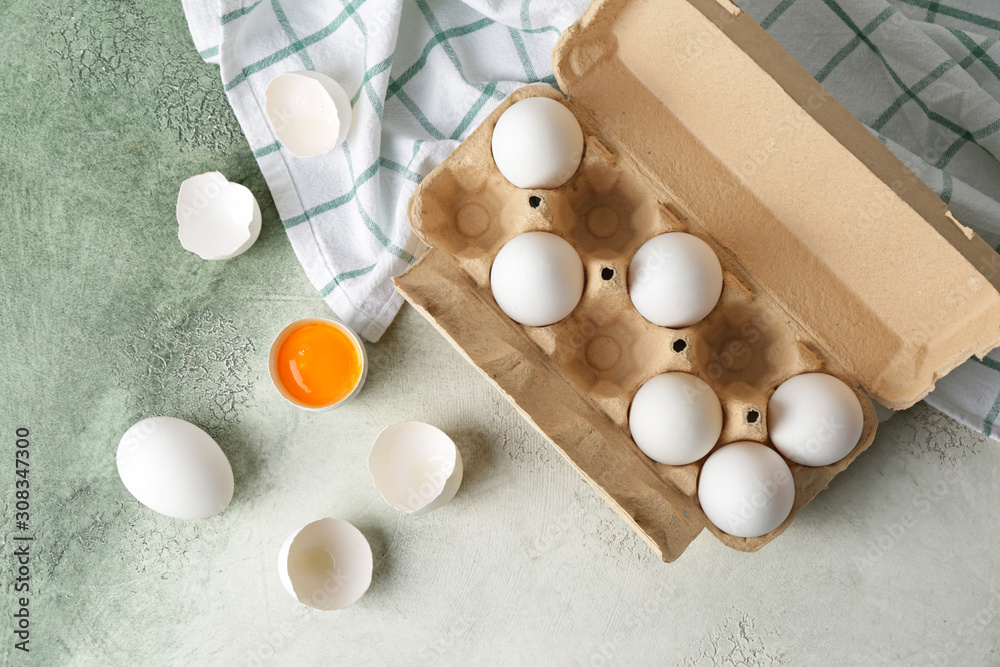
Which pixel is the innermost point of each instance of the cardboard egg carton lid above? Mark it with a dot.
(726, 125)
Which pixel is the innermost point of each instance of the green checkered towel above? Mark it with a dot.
(422, 75)
(924, 75)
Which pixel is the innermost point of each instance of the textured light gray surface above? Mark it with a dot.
(105, 320)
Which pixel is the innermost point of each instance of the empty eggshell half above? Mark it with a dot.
(173, 467)
(415, 466)
(537, 143)
(309, 112)
(326, 564)
(216, 219)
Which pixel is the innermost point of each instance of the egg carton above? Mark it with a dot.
(695, 120)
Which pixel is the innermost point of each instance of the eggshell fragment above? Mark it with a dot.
(537, 143)
(309, 112)
(814, 419)
(216, 219)
(415, 466)
(746, 489)
(537, 279)
(326, 564)
(173, 467)
(675, 280)
(675, 418)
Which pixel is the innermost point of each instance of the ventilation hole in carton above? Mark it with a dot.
(607, 273)
(752, 417)
(680, 345)
(534, 201)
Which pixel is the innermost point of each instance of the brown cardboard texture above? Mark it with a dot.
(835, 257)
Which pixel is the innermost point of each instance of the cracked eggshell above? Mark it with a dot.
(309, 112)
(415, 466)
(173, 467)
(216, 219)
(327, 564)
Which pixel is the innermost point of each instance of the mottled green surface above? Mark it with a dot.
(104, 109)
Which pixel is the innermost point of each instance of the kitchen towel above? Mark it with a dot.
(923, 75)
(422, 74)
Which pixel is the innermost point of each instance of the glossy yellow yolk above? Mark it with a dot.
(318, 365)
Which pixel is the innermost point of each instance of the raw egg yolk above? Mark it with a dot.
(318, 365)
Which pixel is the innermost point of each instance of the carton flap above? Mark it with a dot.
(723, 123)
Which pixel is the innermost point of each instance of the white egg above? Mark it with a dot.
(537, 143)
(675, 280)
(814, 419)
(746, 489)
(675, 418)
(537, 279)
(326, 564)
(175, 468)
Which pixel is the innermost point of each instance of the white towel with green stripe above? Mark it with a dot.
(924, 75)
(422, 75)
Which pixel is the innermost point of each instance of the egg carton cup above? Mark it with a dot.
(695, 120)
